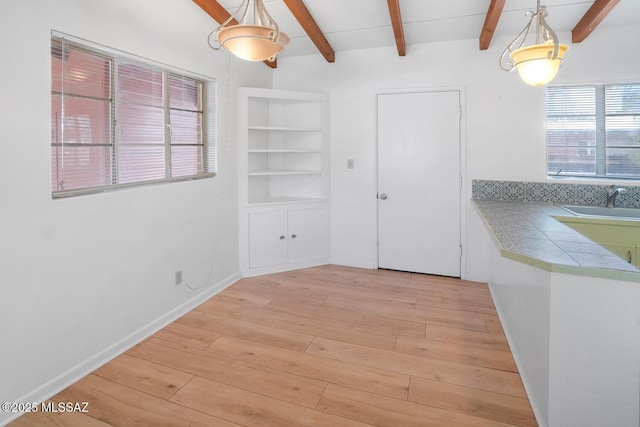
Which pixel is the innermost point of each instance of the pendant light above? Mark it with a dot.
(539, 63)
(256, 36)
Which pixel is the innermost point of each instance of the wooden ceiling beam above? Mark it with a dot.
(594, 16)
(490, 23)
(220, 14)
(312, 29)
(396, 22)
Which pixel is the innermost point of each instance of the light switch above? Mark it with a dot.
(350, 163)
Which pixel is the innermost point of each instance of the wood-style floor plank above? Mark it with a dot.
(249, 330)
(441, 370)
(431, 284)
(423, 304)
(119, 405)
(323, 346)
(468, 321)
(383, 411)
(144, 375)
(217, 306)
(454, 281)
(462, 336)
(377, 324)
(457, 352)
(188, 335)
(242, 299)
(320, 327)
(250, 287)
(480, 403)
(58, 419)
(397, 287)
(494, 325)
(251, 409)
(342, 290)
(300, 390)
(378, 381)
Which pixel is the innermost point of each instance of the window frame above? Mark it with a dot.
(600, 146)
(204, 159)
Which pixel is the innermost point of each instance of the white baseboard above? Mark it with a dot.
(74, 374)
(260, 271)
(372, 265)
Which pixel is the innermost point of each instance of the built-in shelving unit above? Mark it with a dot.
(283, 141)
(284, 145)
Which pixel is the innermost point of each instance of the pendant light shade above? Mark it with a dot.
(252, 42)
(534, 63)
(538, 63)
(256, 36)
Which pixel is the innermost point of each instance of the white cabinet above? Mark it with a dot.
(287, 237)
(267, 239)
(283, 175)
(308, 234)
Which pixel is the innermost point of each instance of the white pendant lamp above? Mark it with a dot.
(539, 63)
(256, 37)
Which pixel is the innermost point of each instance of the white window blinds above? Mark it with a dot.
(117, 121)
(81, 118)
(622, 130)
(594, 131)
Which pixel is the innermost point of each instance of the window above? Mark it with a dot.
(594, 131)
(118, 121)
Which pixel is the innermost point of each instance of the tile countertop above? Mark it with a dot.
(528, 233)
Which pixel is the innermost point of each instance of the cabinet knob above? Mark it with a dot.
(383, 196)
(281, 237)
(293, 236)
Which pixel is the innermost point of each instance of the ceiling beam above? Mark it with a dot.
(594, 16)
(312, 29)
(220, 14)
(396, 22)
(490, 23)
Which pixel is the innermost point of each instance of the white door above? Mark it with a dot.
(419, 182)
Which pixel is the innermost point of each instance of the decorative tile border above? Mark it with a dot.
(546, 192)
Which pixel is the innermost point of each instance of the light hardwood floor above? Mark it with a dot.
(324, 346)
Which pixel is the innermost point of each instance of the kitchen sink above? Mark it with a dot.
(601, 211)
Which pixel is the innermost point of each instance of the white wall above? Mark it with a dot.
(576, 341)
(594, 352)
(84, 277)
(521, 294)
(504, 121)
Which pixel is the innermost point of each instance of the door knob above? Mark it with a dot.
(383, 196)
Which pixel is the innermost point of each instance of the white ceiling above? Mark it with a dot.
(360, 24)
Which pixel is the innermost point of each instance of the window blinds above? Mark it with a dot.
(622, 130)
(81, 103)
(594, 130)
(117, 121)
(571, 130)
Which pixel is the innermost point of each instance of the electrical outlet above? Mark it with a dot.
(178, 277)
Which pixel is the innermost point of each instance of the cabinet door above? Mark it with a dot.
(308, 234)
(267, 239)
(626, 252)
(620, 239)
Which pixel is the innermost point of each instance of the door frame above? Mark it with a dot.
(463, 162)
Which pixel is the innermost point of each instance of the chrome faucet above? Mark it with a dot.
(612, 192)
